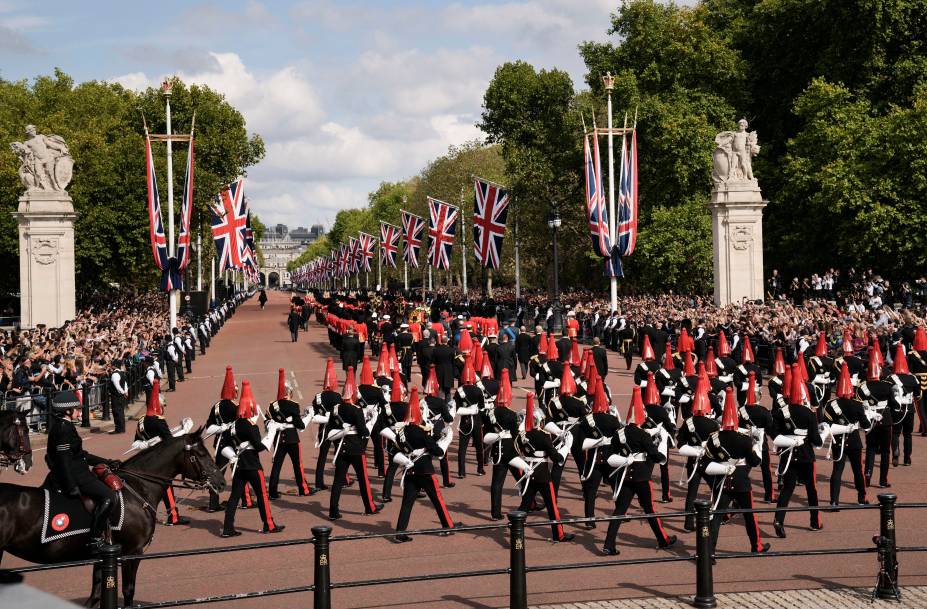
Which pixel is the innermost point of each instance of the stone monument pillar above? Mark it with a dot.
(46, 231)
(736, 218)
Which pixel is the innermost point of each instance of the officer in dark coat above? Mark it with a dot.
(293, 322)
(757, 419)
(285, 413)
(469, 399)
(404, 344)
(524, 348)
(877, 394)
(69, 465)
(845, 416)
(349, 344)
(221, 418)
(443, 360)
(600, 358)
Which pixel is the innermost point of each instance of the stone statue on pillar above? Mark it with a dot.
(46, 231)
(736, 218)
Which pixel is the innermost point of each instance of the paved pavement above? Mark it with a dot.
(256, 343)
(914, 597)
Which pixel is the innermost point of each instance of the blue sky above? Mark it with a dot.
(345, 93)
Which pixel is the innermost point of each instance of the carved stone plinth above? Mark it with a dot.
(737, 235)
(46, 258)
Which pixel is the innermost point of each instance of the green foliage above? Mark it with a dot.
(101, 123)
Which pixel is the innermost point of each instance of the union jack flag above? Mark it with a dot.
(389, 243)
(249, 255)
(229, 222)
(490, 210)
(353, 256)
(344, 260)
(186, 211)
(156, 226)
(366, 245)
(413, 228)
(442, 227)
(596, 210)
(627, 196)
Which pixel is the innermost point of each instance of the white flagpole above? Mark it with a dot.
(172, 296)
(379, 267)
(613, 281)
(212, 282)
(463, 242)
(517, 260)
(405, 273)
(199, 262)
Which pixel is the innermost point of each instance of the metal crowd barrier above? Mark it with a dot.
(885, 547)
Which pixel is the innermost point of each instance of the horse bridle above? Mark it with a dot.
(185, 482)
(12, 458)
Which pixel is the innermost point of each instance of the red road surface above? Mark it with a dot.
(256, 343)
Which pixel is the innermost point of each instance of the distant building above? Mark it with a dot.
(307, 235)
(280, 231)
(281, 246)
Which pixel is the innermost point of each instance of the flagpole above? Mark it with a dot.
(463, 242)
(199, 259)
(379, 268)
(212, 282)
(172, 295)
(613, 281)
(517, 260)
(429, 278)
(405, 273)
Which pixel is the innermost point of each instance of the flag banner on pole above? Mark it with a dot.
(333, 264)
(442, 227)
(490, 211)
(389, 243)
(249, 256)
(186, 211)
(366, 243)
(345, 259)
(156, 226)
(596, 210)
(627, 196)
(353, 256)
(229, 221)
(413, 228)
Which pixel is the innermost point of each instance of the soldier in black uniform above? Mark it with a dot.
(438, 417)
(415, 447)
(905, 393)
(246, 444)
(635, 452)
(756, 418)
(796, 429)
(119, 395)
(349, 432)
(322, 406)
(391, 417)
(733, 452)
(820, 370)
(404, 341)
(877, 395)
(648, 363)
(565, 410)
(659, 416)
(693, 434)
(500, 426)
(742, 372)
(845, 416)
(372, 397)
(221, 418)
(596, 430)
(533, 448)
(152, 426)
(69, 465)
(285, 413)
(469, 399)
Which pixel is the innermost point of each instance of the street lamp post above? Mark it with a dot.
(609, 82)
(556, 319)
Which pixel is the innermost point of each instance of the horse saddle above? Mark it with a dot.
(65, 516)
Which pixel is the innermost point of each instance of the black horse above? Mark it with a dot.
(146, 477)
(15, 450)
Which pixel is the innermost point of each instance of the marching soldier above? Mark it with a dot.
(469, 399)
(153, 426)
(757, 418)
(877, 395)
(648, 363)
(285, 413)
(796, 429)
(844, 416)
(820, 367)
(119, 396)
(246, 465)
(693, 433)
(904, 393)
(404, 341)
(324, 403)
(634, 453)
(500, 426)
(372, 399)
(415, 449)
(566, 410)
(733, 452)
(392, 416)
(221, 418)
(179, 349)
(596, 430)
(348, 429)
(658, 416)
(438, 417)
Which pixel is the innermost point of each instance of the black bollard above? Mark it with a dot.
(322, 594)
(518, 588)
(704, 581)
(109, 576)
(887, 586)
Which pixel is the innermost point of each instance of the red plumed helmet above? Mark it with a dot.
(396, 390)
(468, 374)
(751, 389)
(729, 420)
(779, 363)
(636, 415)
(383, 362)
(228, 385)
(529, 412)
(787, 383)
(592, 381)
(504, 397)
(799, 393)
(700, 404)
(651, 395)
(668, 358)
(711, 368)
(330, 382)
(574, 353)
(486, 372)
(647, 350)
(431, 385)
(567, 383)
(900, 363)
(414, 412)
(366, 372)
(724, 349)
(802, 368)
(847, 345)
(281, 384)
(683, 342)
(552, 353)
(585, 362)
(878, 349)
(465, 344)
(154, 400)
(349, 393)
(477, 356)
(393, 360)
(748, 357)
(600, 401)
(820, 350)
(688, 368)
(920, 339)
(845, 383)
(247, 407)
(542, 344)
(874, 368)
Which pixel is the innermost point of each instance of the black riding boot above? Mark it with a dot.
(100, 521)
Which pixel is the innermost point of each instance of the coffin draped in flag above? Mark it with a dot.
(490, 211)
(366, 244)
(389, 244)
(413, 229)
(442, 226)
(229, 222)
